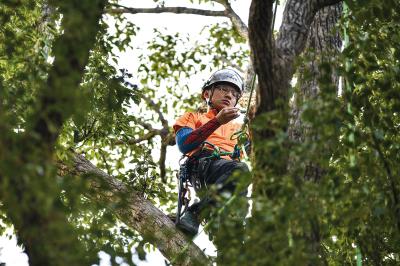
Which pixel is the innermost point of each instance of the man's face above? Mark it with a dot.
(225, 95)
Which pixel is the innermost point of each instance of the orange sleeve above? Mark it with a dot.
(187, 120)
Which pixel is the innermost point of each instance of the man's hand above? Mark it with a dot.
(227, 114)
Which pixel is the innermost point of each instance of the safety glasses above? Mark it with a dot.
(225, 89)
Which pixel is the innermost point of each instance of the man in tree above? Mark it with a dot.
(199, 134)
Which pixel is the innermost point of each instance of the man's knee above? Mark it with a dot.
(242, 167)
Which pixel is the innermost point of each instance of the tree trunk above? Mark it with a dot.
(27, 173)
(323, 45)
(280, 237)
(138, 213)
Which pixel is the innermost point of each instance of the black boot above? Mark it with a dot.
(189, 223)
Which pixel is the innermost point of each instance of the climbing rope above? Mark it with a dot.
(242, 135)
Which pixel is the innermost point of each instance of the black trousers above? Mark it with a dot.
(212, 178)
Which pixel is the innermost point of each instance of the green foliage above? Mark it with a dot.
(368, 159)
(352, 139)
(29, 118)
(23, 58)
(103, 119)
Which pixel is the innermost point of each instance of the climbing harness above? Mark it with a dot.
(184, 177)
(217, 153)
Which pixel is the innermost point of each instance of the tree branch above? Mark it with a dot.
(156, 108)
(395, 192)
(134, 141)
(177, 10)
(235, 19)
(228, 12)
(143, 124)
(167, 138)
(263, 52)
(161, 162)
(139, 214)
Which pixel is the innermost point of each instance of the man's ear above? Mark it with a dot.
(206, 94)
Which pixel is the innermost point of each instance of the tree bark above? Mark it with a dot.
(139, 213)
(322, 45)
(274, 64)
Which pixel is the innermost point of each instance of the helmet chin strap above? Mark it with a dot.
(209, 102)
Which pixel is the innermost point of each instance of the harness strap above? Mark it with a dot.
(183, 190)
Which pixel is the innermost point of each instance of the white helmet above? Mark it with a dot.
(225, 75)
